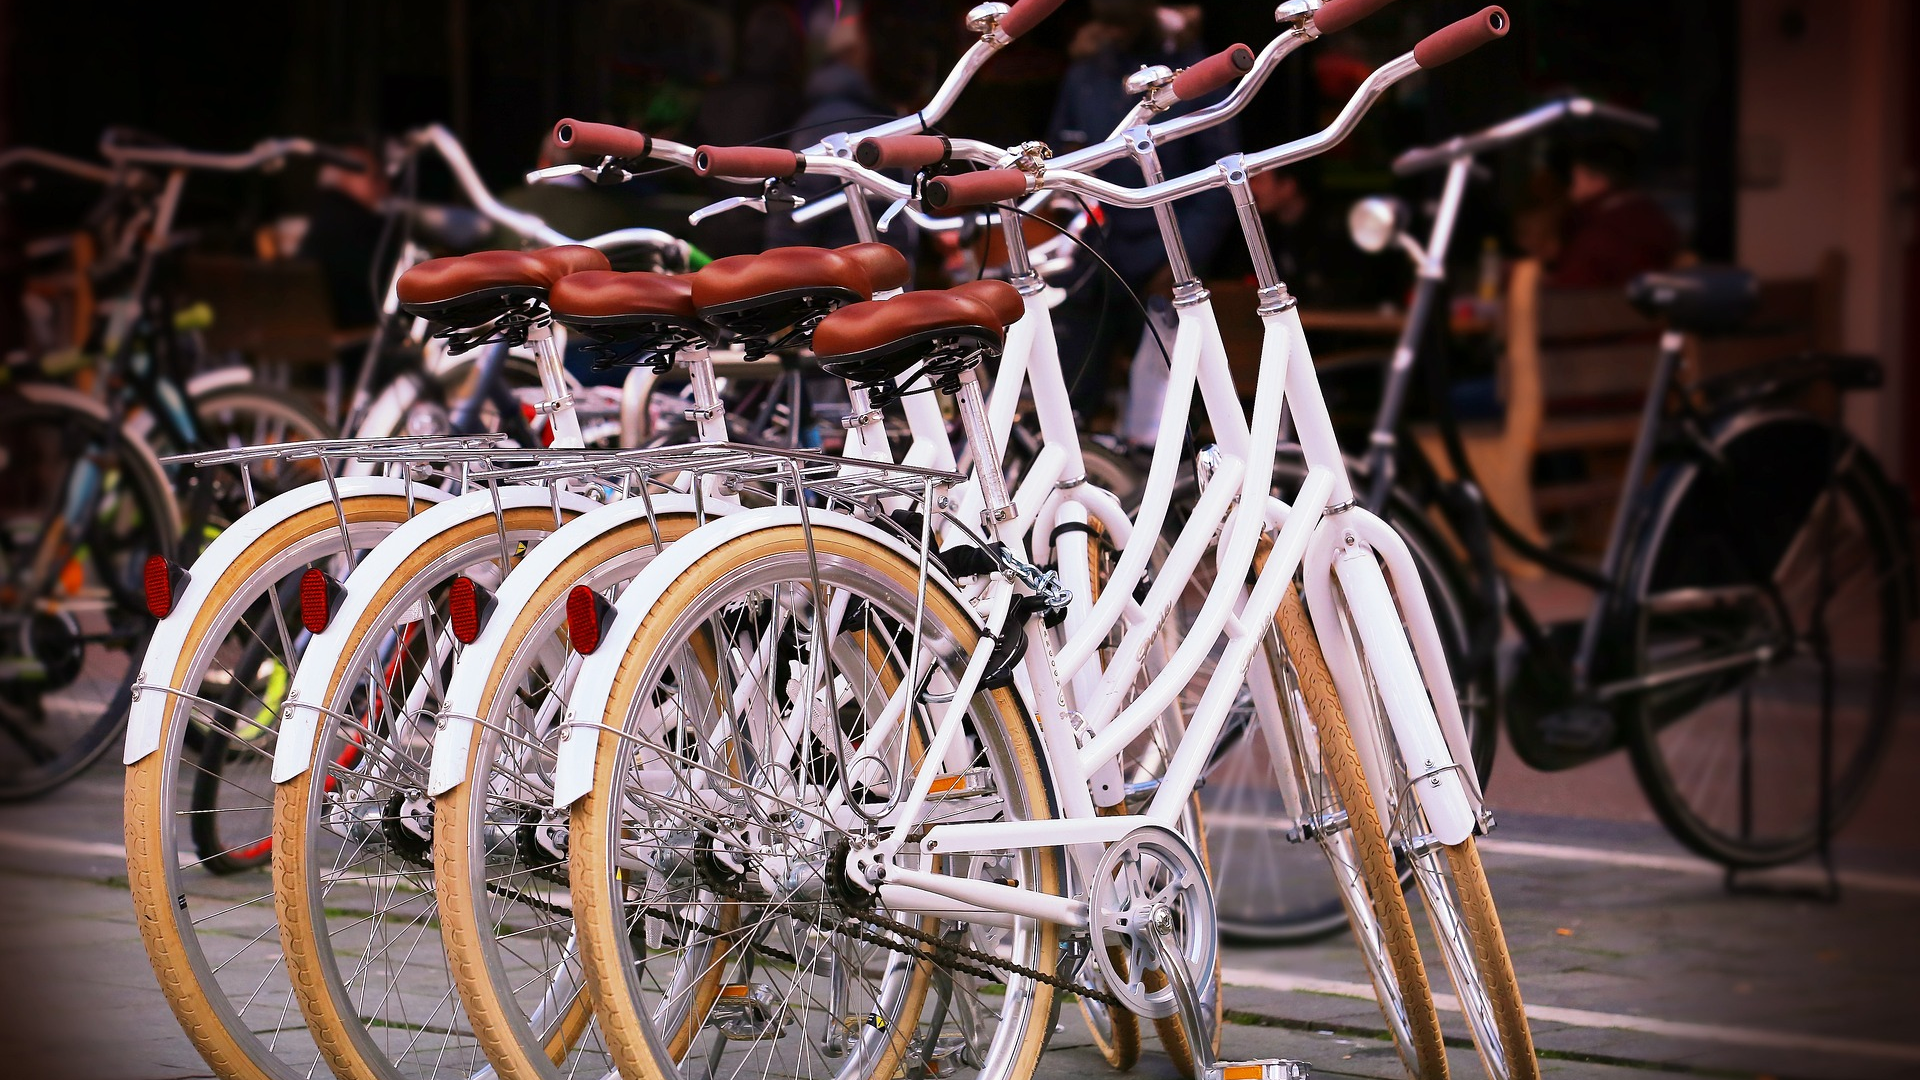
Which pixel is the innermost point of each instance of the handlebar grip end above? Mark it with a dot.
(1211, 74)
(602, 140)
(975, 188)
(1336, 15)
(748, 162)
(902, 151)
(1451, 42)
(1026, 14)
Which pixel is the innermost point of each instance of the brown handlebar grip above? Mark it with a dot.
(901, 151)
(1336, 15)
(1450, 43)
(1211, 74)
(748, 162)
(1026, 15)
(601, 140)
(975, 188)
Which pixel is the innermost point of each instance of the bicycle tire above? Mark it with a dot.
(367, 972)
(885, 576)
(173, 912)
(1714, 525)
(476, 893)
(102, 569)
(1395, 962)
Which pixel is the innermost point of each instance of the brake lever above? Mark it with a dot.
(892, 212)
(757, 202)
(604, 173)
(556, 172)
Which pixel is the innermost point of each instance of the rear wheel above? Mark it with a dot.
(506, 917)
(713, 701)
(1783, 572)
(209, 931)
(79, 519)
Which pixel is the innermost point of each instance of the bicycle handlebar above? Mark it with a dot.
(1211, 74)
(749, 162)
(1451, 42)
(60, 163)
(1515, 129)
(602, 140)
(263, 152)
(976, 188)
(1026, 15)
(903, 151)
(1336, 15)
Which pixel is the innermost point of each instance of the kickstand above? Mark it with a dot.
(1186, 999)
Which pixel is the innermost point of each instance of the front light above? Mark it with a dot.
(1374, 222)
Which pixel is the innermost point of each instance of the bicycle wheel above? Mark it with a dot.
(1367, 879)
(710, 850)
(243, 416)
(1271, 889)
(1453, 889)
(79, 519)
(499, 847)
(1783, 573)
(210, 936)
(353, 834)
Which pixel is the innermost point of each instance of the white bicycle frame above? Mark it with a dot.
(1322, 533)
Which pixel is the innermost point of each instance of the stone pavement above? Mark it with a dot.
(1634, 959)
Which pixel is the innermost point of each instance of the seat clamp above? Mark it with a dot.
(702, 415)
(564, 401)
(857, 420)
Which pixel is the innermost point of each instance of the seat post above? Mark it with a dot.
(558, 400)
(986, 464)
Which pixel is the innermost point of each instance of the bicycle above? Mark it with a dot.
(1711, 625)
(91, 501)
(1011, 885)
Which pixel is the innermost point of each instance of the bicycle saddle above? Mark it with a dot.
(1699, 300)
(772, 300)
(630, 318)
(939, 334)
(465, 291)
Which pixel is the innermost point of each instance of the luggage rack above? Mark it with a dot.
(780, 474)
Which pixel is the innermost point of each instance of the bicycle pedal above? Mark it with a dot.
(750, 1012)
(1258, 1069)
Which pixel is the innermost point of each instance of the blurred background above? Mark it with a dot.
(1789, 143)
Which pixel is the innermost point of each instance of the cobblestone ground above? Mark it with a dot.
(1633, 957)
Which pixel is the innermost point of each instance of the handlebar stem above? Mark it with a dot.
(1272, 291)
(1140, 146)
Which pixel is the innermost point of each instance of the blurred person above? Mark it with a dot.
(840, 96)
(1612, 230)
(1123, 36)
(343, 233)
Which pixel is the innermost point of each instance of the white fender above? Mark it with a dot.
(219, 378)
(453, 746)
(69, 398)
(300, 722)
(573, 775)
(162, 658)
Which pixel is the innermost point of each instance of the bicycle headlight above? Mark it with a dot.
(1374, 222)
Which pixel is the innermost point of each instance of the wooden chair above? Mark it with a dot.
(1501, 452)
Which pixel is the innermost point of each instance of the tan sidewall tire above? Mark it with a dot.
(146, 830)
(1341, 760)
(461, 930)
(327, 1019)
(1492, 961)
(621, 1024)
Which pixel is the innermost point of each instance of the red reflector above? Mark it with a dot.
(587, 616)
(318, 596)
(165, 582)
(467, 606)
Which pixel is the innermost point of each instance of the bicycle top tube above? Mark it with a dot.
(1517, 128)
